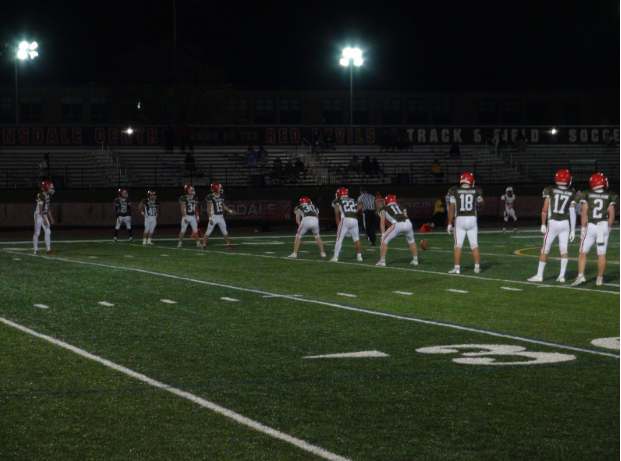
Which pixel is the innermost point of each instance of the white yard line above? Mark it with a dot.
(403, 293)
(42, 306)
(105, 303)
(224, 298)
(338, 306)
(510, 289)
(168, 301)
(186, 395)
(456, 291)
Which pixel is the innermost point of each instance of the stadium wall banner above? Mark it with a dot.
(155, 136)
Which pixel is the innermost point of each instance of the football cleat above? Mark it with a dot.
(334, 260)
(466, 178)
(381, 264)
(323, 255)
(144, 243)
(204, 247)
(359, 257)
(216, 188)
(535, 278)
(477, 270)
(188, 189)
(504, 230)
(454, 271)
(131, 239)
(36, 252)
(560, 279)
(414, 262)
(579, 280)
(50, 252)
(598, 181)
(122, 193)
(563, 178)
(390, 199)
(293, 255)
(115, 240)
(230, 247)
(199, 245)
(179, 245)
(47, 186)
(599, 281)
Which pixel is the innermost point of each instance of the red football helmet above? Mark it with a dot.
(216, 188)
(466, 178)
(151, 195)
(390, 199)
(563, 178)
(47, 186)
(305, 200)
(598, 181)
(122, 193)
(188, 189)
(342, 192)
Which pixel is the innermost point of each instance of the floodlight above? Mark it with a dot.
(358, 62)
(24, 45)
(356, 53)
(33, 54)
(22, 54)
(33, 45)
(344, 62)
(130, 131)
(347, 52)
(553, 131)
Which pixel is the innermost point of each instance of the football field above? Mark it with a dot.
(124, 351)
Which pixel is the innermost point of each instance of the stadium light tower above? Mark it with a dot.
(351, 57)
(24, 51)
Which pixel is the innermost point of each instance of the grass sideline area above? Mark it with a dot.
(124, 351)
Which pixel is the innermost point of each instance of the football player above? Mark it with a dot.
(306, 215)
(215, 213)
(189, 214)
(346, 216)
(598, 214)
(447, 202)
(43, 218)
(149, 208)
(464, 201)
(509, 198)
(400, 224)
(123, 214)
(560, 212)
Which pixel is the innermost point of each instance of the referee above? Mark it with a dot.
(366, 205)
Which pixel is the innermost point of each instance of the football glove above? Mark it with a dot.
(449, 229)
(572, 235)
(583, 231)
(198, 218)
(118, 220)
(543, 228)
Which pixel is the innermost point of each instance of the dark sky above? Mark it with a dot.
(431, 45)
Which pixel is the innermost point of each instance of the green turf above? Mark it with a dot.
(247, 355)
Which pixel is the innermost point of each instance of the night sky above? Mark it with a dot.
(423, 46)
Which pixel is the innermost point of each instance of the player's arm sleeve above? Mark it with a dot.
(572, 216)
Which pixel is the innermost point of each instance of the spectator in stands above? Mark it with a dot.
(299, 168)
(277, 171)
(170, 139)
(406, 143)
(366, 165)
(330, 143)
(455, 151)
(354, 165)
(436, 170)
(608, 140)
(375, 167)
(190, 162)
(251, 156)
(44, 168)
(289, 169)
(262, 156)
(520, 143)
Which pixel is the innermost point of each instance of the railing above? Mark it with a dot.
(413, 174)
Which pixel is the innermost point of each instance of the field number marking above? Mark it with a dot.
(105, 303)
(42, 306)
(481, 357)
(229, 299)
(168, 301)
(456, 291)
(607, 343)
(349, 355)
(347, 295)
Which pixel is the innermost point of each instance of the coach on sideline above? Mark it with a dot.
(366, 205)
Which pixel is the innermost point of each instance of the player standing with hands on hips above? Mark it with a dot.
(43, 218)
(149, 208)
(189, 214)
(123, 214)
(559, 209)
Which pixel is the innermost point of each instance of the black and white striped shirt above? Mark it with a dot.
(367, 201)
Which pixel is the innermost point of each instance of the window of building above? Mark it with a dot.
(7, 110)
(441, 111)
(31, 110)
(290, 111)
(264, 111)
(360, 111)
(71, 109)
(512, 112)
(100, 110)
(488, 112)
(332, 111)
(417, 111)
(391, 111)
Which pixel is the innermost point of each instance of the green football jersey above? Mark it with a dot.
(348, 208)
(44, 200)
(597, 204)
(150, 208)
(394, 213)
(217, 203)
(560, 202)
(189, 203)
(306, 209)
(466, 199)
(122, 206)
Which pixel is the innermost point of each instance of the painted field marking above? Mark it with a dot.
(347, 295)
(510, 289)
(18, 249)
(224, 298)
(93, 257)
(346, 307)
(348, 355)
(186, 395)
(456, 291)
(128, 256)
(271, 296)
(303, 251)
(105, 303)
(168, 301)
(164, 255)
(403, 293)
(16, 259)
(270, 252)
(261, 243)
(42, 306)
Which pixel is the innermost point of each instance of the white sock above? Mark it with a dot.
(457, 266)
(476, 266)
(542, 266)
(564, 262)
(35, 241)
